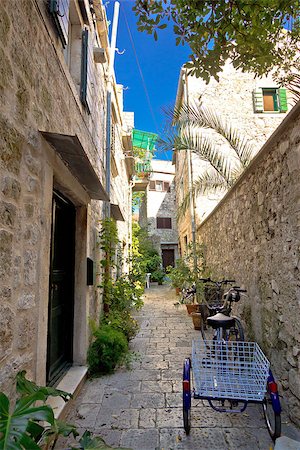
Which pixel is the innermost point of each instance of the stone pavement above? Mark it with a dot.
(142, 408)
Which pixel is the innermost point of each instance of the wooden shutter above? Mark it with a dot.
(166, 186)
(152, 185)
(164, 222)
(258, 101)
(59, 9)
(283, 106)
(87, 71)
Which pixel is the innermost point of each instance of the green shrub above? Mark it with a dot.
(107, 350)
(158, 275)
(124, 322)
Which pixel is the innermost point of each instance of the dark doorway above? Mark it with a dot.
(168, 258)
(61, 290)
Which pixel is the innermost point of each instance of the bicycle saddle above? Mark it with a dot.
(220, 320)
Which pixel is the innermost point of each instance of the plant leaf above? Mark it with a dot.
(13, 426)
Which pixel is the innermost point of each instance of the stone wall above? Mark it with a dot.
(253, 236)
(38, 92)
(160, 204)
(231, 98)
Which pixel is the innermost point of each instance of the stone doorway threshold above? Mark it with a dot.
(71, 382)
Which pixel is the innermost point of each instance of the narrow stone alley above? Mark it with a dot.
(141, 409)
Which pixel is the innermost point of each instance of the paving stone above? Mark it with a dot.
(117, 419)
(171, 374)
(157, 386)
(111, 437)
(251, 417)
(147, 418)
(147, 400)
(141, 409)
(113, 398)
(206, 417)
(92, 393)
(152, 362)
(86, 415)
(246, 440)
(173, 400)
(140, 439)
(198, 439)
(169, 418)
(145, 375)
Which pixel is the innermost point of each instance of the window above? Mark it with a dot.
(164, 222)
(87, 70)
(59, 9)
(160, 186)
(270, 100)
(77, 43)
(185, 241)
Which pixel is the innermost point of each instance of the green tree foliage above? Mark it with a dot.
(145, 258)
(248, 32)
(137, 198)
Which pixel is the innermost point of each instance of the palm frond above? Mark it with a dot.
(200, 116)
(209, 181)
(204, 147)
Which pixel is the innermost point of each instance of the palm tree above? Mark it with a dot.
(199, 129)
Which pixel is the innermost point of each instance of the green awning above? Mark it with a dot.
(144, 140)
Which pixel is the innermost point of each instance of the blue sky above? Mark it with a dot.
(160, 63)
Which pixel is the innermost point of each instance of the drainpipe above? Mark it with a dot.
(190, 182)
(108, 104)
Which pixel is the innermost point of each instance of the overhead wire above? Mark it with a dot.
(142, 76)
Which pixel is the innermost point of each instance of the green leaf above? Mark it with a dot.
(13, 426)
(90, 442)
(155, 35)
(25, 386)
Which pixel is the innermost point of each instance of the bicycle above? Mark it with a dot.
(218, 316)
(233, 372)
(188, 295)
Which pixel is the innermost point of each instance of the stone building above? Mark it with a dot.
(254, 106)
(253, 236)
(158, 211)
(53, 135)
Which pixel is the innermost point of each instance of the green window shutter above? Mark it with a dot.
(283, 106)
(87, 71)
(258, 101)
(59, 10)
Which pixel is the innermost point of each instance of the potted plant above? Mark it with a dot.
(158, 275)
(180, 275)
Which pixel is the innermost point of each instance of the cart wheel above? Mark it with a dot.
(186, 395)
(272, 410)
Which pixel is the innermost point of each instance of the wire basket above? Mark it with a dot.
(229, 370)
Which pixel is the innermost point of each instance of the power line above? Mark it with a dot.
(142, 76)
(140, 70)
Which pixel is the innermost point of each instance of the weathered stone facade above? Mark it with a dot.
(160, 202)
(40, 92)
(253, 237)
(232, 100)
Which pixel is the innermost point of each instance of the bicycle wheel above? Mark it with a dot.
(237, 333)
(272, 410)
(186, 395)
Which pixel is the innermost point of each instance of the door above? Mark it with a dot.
(61, 290)
(168, 258)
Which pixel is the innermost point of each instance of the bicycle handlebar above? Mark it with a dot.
(209, 280)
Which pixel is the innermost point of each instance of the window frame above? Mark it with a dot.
(164, 223)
